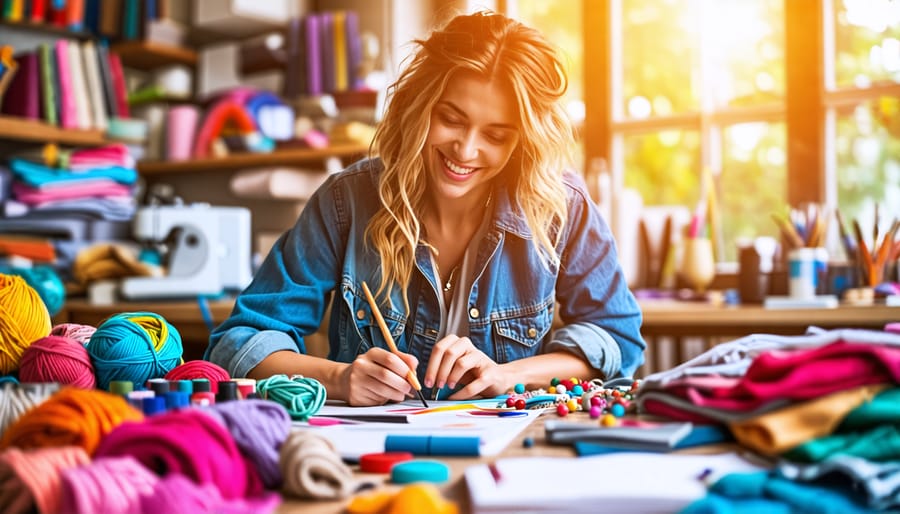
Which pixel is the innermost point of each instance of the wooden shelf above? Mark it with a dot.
(293, 157)
(147, 55)
(23, 129)
(46, 29)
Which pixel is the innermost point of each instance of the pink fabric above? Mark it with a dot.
(111, 485)
(177, 493)
(800, 375)
(659, 408)
(189, 442)
(102, 156)
(73, 189)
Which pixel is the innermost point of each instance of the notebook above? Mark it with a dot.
(621, 482)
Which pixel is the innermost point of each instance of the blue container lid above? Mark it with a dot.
(420, 471)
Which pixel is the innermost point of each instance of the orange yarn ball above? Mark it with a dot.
(57, 359)
(23, 319)
(79, 417)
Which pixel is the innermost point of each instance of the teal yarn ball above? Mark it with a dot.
(134, 346)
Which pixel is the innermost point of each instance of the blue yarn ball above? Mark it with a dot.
(122, 348)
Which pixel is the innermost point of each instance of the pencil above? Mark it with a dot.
(389, 339)
(846, 240)
(788, 231)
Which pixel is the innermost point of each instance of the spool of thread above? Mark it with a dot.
(121, 387)
(159, 386)
(78, 332)
(228, 391)
(51, 423)
(201, 385)
(134, 346)
(199, 369)
(203, 399)
(184, 386)
(246, 386)
(23, 319)
(153, 405)
(57, 359)
(176, 400)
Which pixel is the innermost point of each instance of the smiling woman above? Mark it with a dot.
(473, 227)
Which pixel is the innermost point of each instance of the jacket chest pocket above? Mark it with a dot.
(360, 328)
(521, 336)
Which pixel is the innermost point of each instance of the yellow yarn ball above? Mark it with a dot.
(23, 319)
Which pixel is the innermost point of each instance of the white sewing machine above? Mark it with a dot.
(210, 252)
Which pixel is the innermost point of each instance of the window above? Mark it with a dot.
(674, 88)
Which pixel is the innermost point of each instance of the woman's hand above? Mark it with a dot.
(454, 358)
(377, 377)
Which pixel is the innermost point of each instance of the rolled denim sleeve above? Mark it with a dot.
(601, 317)
(591, 343)
(241, 349)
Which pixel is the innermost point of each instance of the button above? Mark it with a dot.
(532, 332)
(360, 314)
(473, 312)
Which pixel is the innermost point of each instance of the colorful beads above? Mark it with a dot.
(617, 410)
(528, 442)
(608, 420)
(596, 412)
(562, 409)
(520, 404)
(519, 388)
(572, 395)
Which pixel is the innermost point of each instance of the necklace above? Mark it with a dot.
(448, 285)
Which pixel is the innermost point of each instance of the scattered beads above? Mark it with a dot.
(573, 395)
(608, 420)
(520, 404)
(562, 410)
(596, 412)
(528, 442)
(617, 410)
(519, 389)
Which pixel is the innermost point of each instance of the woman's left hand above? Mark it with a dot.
(456, 357)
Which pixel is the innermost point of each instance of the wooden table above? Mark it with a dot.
(673, 322)
(454, 489)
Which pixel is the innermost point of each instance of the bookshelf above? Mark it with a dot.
(13, 128)
(148, 55)
(292, 157)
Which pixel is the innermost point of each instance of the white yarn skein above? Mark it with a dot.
(312, 468)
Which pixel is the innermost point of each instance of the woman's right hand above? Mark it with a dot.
(377, 377)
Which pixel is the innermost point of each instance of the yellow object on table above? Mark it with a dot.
(418, 498)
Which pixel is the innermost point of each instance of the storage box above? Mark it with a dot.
(241, 18)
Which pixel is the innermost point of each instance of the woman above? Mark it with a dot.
(468, 231)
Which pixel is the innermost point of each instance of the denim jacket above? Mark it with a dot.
(511, 303)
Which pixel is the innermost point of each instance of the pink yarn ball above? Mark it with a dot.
(80, 333)
(200, 369)
(57, 359)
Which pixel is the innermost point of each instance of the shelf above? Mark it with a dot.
(293, 157)
(46, 29)
(147, 55)
(23, 129)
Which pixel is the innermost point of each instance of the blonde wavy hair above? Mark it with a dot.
(493, 46)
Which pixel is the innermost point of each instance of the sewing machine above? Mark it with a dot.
(208, 250)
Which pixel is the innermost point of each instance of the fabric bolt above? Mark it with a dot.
(116, 154)
(880, 444)
(312, 468)
(801, 375)
(177, 493)
(190, 442)
(732, 358)
(72, 416)
(322, 253)
(780, 430)
(878, 481)
(31, 479)
(259, 428)
(111, 485)
(765, 491)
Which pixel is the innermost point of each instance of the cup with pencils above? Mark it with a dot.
(803, 232)
(871, 256)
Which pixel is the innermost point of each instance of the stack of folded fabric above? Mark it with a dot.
(92, 182)
(822, 406)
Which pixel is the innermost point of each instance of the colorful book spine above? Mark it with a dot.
(22, 98)
(67, 116)
(119, 87)
(109, 90)
(79, 87)
(48, 85)
(326, 36)
(312, 27)
(94, 84)
(340, 51)
(354, 51)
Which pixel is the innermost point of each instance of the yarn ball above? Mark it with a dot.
(177, 493)
(312, 468)
(16, 400)
(200, 369)
(23, 319)
(36, 475)
(134, 346)
(259, 427)
(187, 441)
(76, 331)
(112, 485)
(301, 396)
(57, 359)
(78, 417)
